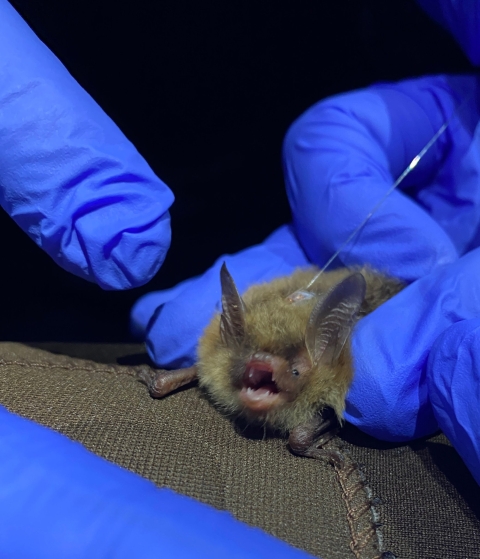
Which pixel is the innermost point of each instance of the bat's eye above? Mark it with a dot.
(295, 373)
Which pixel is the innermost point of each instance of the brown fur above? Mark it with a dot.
(277, 326)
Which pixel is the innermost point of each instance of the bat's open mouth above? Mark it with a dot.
(259, 392)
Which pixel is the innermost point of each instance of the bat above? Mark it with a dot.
(280, 354)
(286, 365)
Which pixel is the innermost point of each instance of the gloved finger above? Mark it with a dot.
(144, 308)
(68, 176)
(462, 19)
(389, 397)
(343, 155)
(453, 380)
(59, 500)
(175, 326)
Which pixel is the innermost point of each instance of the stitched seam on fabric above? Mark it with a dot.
(352, 483)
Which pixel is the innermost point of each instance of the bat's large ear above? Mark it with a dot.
(332, 319)
(232, 321)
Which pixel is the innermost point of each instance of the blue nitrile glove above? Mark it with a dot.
(393, 388)
(57, 501)
(343, 154)
(68, 176)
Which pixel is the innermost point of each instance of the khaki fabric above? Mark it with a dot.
(415, 501)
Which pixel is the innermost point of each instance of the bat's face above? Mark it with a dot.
(278, 362)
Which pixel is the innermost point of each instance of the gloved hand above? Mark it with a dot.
(339, 158)
(58, 500)
(396, 388)
(68, 176)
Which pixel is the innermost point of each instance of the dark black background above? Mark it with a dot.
(206, 91)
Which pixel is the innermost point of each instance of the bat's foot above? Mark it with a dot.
(160, 382)
(308, 439)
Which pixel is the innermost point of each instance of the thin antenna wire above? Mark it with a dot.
(302, 294)
(413, 163)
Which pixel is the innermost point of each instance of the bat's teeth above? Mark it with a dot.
(259, 400)
(252, 390)
(259, 394)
